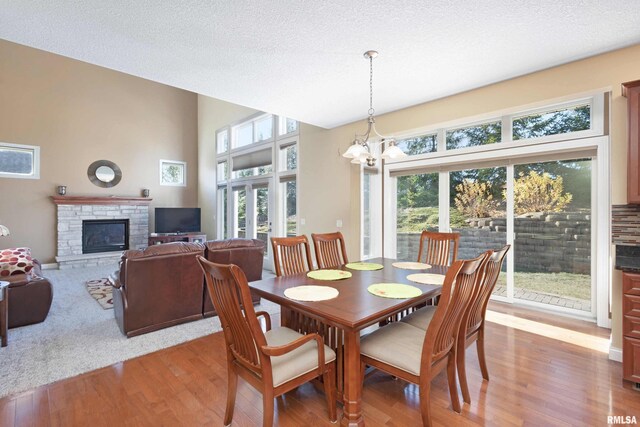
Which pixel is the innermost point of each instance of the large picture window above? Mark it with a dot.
(536, 179)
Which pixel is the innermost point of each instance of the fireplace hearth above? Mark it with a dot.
(105, 235)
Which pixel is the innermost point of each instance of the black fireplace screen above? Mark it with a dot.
(105, 235)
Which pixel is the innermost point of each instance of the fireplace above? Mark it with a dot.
(105, 235)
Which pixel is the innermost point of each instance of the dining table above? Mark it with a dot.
(343, 318)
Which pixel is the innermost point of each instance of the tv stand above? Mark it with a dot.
(159, 238)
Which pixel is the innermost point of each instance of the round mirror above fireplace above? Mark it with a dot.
(104, 173)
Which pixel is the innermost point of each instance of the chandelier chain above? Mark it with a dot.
(371, 110)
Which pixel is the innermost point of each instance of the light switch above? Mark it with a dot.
(302, 221)
(339, 223)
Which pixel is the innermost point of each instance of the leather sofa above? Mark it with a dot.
(158, 287)
(163, 285)
(30, 297)
(248, 254)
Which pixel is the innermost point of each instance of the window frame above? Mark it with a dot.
(35, 163)
(183, 183)
(595, 140)
(597, 110)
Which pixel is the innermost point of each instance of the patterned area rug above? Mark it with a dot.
(101, 291)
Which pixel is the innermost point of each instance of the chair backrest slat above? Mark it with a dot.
(458, 288)
(478, 308)
(291, 255)
(229, 292)
(330, 249)
(438, 248)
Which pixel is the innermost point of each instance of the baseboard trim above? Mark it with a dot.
(615, 354)
(52, 266)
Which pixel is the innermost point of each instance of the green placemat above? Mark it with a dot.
(365, 266)
(394, 290)
(328, 274)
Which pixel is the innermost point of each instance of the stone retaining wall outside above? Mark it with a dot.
(544, 242)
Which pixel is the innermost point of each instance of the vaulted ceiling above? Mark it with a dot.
(303, 59)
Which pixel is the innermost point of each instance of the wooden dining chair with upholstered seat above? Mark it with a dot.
(291, 255)
(416, 355)
(274, 362)
(438, 248)
(330, 249)
(472, 325)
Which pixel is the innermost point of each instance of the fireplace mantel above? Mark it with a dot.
(96, 200)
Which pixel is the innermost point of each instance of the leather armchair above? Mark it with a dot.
(30, 297)
(248, 254)
(158, 287)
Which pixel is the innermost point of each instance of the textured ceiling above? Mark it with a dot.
(303, 59)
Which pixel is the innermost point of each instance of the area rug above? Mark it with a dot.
(101, 291)
(77, 337)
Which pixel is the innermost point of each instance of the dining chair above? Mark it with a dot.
(473, 321)
(438, 248)
(330, 249)
(416, 355)
(291, 255)
(273, 362)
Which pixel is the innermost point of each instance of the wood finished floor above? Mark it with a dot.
(534, 381)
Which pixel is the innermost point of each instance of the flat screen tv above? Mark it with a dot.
(177, 220)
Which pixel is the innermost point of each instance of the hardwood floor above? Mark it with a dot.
(535, 380)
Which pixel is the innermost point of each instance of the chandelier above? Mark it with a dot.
(363, 149)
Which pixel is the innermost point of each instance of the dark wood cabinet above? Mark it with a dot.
(631, 326)
(158, 239)
(631, 90)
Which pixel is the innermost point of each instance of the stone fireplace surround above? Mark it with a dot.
(72, 210)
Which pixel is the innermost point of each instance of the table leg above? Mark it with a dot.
(352, 380)
(4, 316)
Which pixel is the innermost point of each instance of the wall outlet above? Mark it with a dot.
(339, 223)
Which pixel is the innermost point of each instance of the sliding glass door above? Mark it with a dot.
(552, 233)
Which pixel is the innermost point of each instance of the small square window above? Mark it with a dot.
(19, 161)
(173, 172)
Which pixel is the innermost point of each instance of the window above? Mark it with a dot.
(290, 219)
(257, 192)
(223, 171)
(222, 141)
(552, 122)
(263, 129)
(19, 161)
(417, 210)
(256, 130)
(243, 135)
(223, 232)
(173, 172)
(419, 144)
(543, 187)
(289, 157)
(473, 136)
(287, 126)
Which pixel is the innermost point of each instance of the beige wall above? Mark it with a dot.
(329, 186)
(78, 113)
(213, 114)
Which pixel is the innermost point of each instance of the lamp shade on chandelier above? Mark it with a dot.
(363, 149)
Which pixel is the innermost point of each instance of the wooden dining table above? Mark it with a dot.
(353, 310)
